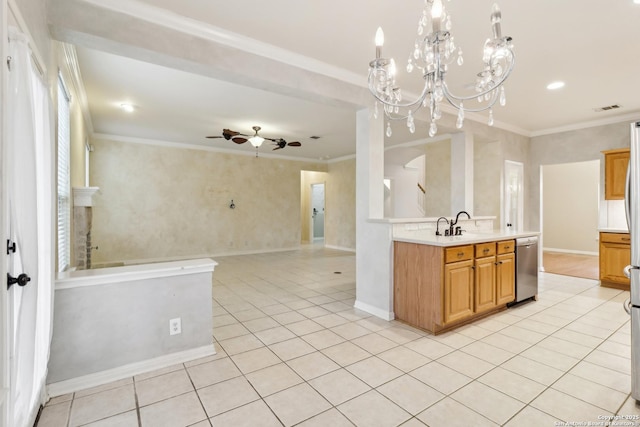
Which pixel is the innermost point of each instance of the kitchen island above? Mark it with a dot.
(442, 282)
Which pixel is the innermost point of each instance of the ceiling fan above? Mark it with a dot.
(255, 140)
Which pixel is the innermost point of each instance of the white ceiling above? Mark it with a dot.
(588, 44)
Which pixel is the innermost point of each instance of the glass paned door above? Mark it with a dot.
(513, 208)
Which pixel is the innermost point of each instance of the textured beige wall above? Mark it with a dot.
(438, 178)
(306, 179)
(568, 147)
(159, 202)
(340, 205)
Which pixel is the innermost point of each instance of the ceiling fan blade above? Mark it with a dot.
(228, 133)
(272, 139)
(239, 140)
(294, 144)
(277, 148)
(212, 137)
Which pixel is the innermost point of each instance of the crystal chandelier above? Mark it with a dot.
(433, 53)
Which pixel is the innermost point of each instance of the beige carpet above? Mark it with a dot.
(585, 266)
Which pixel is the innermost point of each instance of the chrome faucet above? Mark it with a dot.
(458, 229)
(438, 225)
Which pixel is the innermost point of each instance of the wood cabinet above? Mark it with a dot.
(506, 272)
(438, 288)
(615, 173)
(485, 276)
(458, 291)
(615, 255)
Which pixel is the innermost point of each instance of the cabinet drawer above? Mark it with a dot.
(506, 246)
(458, 253)
(485, 249)
(623, 238)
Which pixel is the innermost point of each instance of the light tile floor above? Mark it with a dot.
(292, 350)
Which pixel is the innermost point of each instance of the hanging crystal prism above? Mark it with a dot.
(503, 97)
(490, 122)
(433, 129)
(388, 133)
(460, 119)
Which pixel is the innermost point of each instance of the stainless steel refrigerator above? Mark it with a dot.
(632, 203)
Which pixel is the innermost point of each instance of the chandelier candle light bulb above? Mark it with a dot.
(431, 55)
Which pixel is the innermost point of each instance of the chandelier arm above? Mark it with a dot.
(504, 77)
(490, 103)
(409, 105)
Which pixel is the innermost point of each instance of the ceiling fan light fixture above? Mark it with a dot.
(256, 140)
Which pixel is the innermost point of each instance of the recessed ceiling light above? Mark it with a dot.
(555, 85)
(636, 1)
(127, 107)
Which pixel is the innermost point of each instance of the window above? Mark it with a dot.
(64, 184)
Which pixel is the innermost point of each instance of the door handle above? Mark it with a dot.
(21, 280)
(627, 306)
(627, 271)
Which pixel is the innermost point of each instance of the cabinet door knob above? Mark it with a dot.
(460, 254)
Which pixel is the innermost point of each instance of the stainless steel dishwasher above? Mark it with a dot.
(526, 268)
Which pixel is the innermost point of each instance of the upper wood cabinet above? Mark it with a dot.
(615, 173)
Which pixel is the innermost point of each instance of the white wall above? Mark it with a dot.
(570, 206)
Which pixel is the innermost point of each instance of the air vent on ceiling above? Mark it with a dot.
(314, 137)
(607, 108)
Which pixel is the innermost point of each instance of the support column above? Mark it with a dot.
(373, 238)
(462, 173)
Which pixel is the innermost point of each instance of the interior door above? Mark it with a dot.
(513, 197)
(28, 215)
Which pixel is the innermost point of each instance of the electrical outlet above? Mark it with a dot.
(175, 326)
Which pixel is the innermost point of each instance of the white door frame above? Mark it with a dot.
(5, 377)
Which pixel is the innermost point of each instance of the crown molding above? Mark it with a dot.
(589, 124)
(73, 67)
(183, 24)
(187, 146)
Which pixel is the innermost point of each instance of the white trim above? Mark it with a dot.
(125, 371)
(385, 315)
(587, 124)
(71, 62)
(103, 276)
(340, 248)
(171, 20)
(132, 262)
(187, 146)
(341, 159)
(570, 251)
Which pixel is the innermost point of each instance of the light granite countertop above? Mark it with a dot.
(427, 237)
(613, 230)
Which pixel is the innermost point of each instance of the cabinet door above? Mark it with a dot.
(614, 257)
(458, 291)
(615, 171)
(506, 278)
(485, 284)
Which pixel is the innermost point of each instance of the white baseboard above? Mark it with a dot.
(385, 315)
(125, 371)
(340, 248)
(570, 251)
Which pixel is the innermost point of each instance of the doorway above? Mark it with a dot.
(312, 224)
(569, 218)
(317, 213)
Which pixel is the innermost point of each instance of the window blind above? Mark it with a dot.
(64, 184)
